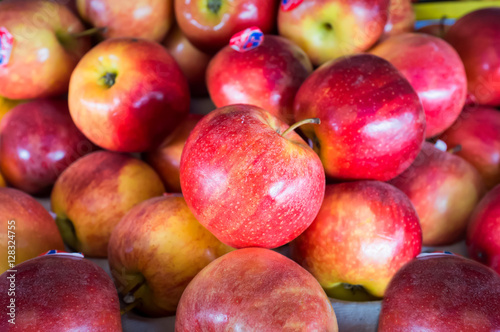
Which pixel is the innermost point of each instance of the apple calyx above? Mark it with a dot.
(89, 32)
(328, 26)
(68, 232)
(300, 123)
(214, 5)
(108, 79)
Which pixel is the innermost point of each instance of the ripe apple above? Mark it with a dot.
(442, 293)
(477, 131)
(475, 37)
(434, 70)
(444, 189)
(148, 19)
(401, 18)
(210, 24)
(45, 50)
(254, 289)
(6, 105)
(26, 227)
(38, 141)
(364, 232)
(94, 193)
(372, 121)
(59, 293)
(329, 29)
(267, 76)
(166, 158)
(127, 94)
(156, 250)
(249, 178)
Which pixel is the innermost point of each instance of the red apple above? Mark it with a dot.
(267, 76)
(475, 37)
(209, 24)
(59, 293)
(254, 289)
(27, 230)
(401, 18)
(372, 121)
(38, 141)
(328, 29)
(442, 293)
(444, 189)
(364, 232)
(127, 94)
(45, 48)
(435, 71)
(94, 193)
(249, 179)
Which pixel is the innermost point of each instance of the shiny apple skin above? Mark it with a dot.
(254, 289)
(355, 26)
(475, 37)
(60, 293)
(477, 131)
(364, 232)
(268, 76)
(148, 100)
(372, 121)
(245, 182)
(434, 70)
(38, 141)
(35, 231)
(40, 65)
(210, 31)
(401, 18)
(444, 189)
(442, 293)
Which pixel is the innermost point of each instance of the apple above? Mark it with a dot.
(434, 70)
(95, 192)
(475, 37)
(477, 131)
(401, 18)
(254, 289)
(148, 19)
(59, 293)
(483, 233)
(267, 76)
(249, 178)
(45, 48)
(444, 190)
(372, 121)
(6, 105)
(329, 29)
(156, 250)
(364, 232)
(38, 141)
(127, 94)
(442, 292)
(27, 231)
(166, 158)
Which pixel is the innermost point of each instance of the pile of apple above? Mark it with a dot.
(340, 136)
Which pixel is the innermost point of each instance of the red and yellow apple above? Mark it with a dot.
(401, 18)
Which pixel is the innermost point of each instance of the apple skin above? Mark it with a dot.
(44, 52)
(245, 182)
(95, 192)
(475, 37)
(34, 229)
(254, 289)
(38, 141)
(267, 76)
(61, 293)
(148, 98)
(442, 293)
(148, 19)
(483, 233)
(444, 189)
(329, 29)
(364, 232)
(401, 18)
(372, 121)
(160, 243)
(166, 159)
(477, 131)
(210, 30)
(434, 70)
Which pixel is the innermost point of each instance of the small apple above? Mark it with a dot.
(401, 18)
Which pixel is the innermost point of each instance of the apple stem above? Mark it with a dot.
(214, 5)
(300, 123)
(89, 32)
(442, 26)
(455, 149)
(130, 306)
(134, 284)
